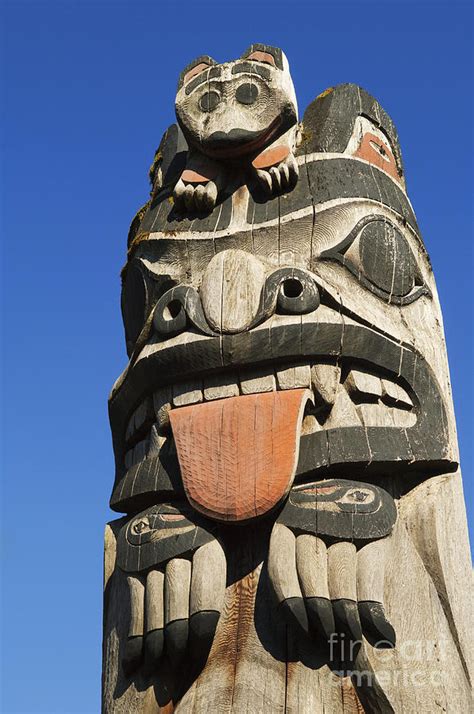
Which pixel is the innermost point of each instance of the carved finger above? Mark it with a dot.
(208, 583)
(342, 590)
(177, 584)
(210, 195)
(284, 577)
(199, 196)
(134, 644)
(188, 197)
(293, 170)
(276, 179)
(284, 176)
(370, 592)
(178, 193)
(312, 566)
(265, 181)
(154, 617)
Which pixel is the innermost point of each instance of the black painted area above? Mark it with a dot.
(202, 59)
(246, 93)
(329, 179)
(176, 640)
(132, 656)
(251, 68)
(340, 508)
(160, 533)
(379, 451)
(321, 617)
(377, 629)
(154, 644)
(379, 256)
(329, 120)
(275, 52)
(202, 628)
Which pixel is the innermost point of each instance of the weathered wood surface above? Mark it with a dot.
(258, 664)
(287, 363)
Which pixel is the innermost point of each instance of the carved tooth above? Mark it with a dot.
(324, 382)
(255, 381)
(156, 442)
(140, 451)
(219, 386)
(128, 459)
(139, 416)
(162, 406)
(294, 377)
(395, 396)
(382, 415)
(343, 413)
(363, 387)
(186, 393)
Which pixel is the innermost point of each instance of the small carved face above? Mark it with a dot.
(236, 108)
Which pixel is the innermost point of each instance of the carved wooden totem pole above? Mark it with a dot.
(295, 536)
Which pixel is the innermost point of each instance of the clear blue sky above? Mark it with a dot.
(88, 89)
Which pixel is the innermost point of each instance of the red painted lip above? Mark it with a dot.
(245, 147)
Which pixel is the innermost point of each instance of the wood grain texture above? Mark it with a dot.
(231, 289)
(208, 578)
(238, 455)
(177, 586)
(154, 600)
(312, 564)
(342, 571)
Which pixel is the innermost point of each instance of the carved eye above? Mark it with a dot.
(247, 93)
(380, 257)
(141, 526)
(357, 496)
(209, 101)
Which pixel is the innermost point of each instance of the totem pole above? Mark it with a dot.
(295, 536)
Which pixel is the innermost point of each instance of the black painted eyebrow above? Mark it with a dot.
(252, 68)
(201, 78)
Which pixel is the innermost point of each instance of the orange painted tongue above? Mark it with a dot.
(238, 456)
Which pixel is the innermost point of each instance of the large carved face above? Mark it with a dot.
(233, 109)
(277, 341)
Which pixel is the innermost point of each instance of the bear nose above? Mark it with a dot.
(247, 93)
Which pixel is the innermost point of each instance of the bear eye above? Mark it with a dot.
(377, 253)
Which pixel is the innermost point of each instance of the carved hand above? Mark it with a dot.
(276, 171)
(176, 574)
(326, 563)
(197, 189)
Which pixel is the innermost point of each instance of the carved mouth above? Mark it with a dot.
(343, 397)
(377, 405)
(238, 142)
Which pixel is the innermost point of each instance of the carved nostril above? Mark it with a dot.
(209, 101)
(297, 295)
(172, 310)
(247, 93)
(291, 288)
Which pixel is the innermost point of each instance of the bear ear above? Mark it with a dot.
(264, 53)
(196, 67)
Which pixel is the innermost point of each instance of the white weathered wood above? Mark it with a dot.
(177, 584)
(137, 602)
(312, 566)
(208, 578)
(325, 382)
(187, 393)
(154, 600)
(230, 290)
(220, 386)
(257, 380)
(294, 377)
(282, 563)
(342, 577)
